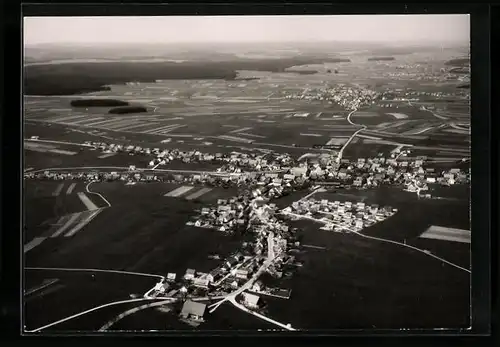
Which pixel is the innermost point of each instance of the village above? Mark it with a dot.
(253, 212)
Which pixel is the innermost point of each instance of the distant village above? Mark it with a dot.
(275, 172)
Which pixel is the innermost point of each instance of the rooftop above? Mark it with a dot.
(193, 308)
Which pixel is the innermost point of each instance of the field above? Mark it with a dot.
(144, 227)
(70, 296)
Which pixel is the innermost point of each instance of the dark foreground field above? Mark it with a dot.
(353, 283)
(363, 283)
(142, 231)
(360, 283)
(76, 292)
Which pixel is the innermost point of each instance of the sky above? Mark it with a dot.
(176, 29)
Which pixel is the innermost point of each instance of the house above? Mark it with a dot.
(161, 287)
(223, 208)
(201, 282)
(271, 175)
(277, 181)
(298, 170)
(193, 310)
(231, 262)
(257, 286)
(214, 275)
(189, 274)
(241, 273)
(251, 300)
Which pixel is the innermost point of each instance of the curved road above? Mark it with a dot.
(95, 193)
(85, 312)
(132, 311)
(363, 127)
(434, 114)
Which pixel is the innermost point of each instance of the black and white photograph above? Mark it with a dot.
(246, 173)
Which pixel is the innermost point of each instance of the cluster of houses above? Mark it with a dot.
(238, 213)
(416, 95)
(424, 72)
(232, 162)
(412, 173)
(236, 162)
(225, 217)
(361, 173)
(373, 172)
(341, 216)
(348, 97)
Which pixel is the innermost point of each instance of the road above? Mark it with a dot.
(95, 193)
(434, 114)
(244, 287)
(458, 127)
(233, 301)
(270, 246)
(232, 297)
(85, 312)
(229, 273)
(318, 190)
(132, 311)
(341, 152)
(59, 142)
(95, 270)
(421, 131)
(399, 155)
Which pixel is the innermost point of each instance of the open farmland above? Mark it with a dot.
(69, 295)
(144, 227)
(306, 115)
